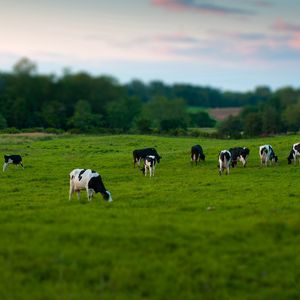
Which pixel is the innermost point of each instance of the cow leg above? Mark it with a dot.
(5, 166)
(71, 191)
(78, 195)
(22, 165)
(90, 193)
(146, 171)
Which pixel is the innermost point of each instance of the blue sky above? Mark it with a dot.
(229, 44)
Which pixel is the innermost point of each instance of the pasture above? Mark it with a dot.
(186, 233)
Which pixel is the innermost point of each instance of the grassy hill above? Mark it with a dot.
(187, 233)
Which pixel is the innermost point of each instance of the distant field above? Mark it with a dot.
(195, 109)
(187, 233)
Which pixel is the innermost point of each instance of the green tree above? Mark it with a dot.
(253, 124)
(271, 120)
(230, 128)
(201, 119)
(83, 119)
(3, 123)
(160, 109)
(53, 115)
(120, 114)
(291, 117)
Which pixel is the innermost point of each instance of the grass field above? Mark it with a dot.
(187, 233)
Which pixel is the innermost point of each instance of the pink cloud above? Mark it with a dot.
(282, 25)
(207, 8)
(294, 42)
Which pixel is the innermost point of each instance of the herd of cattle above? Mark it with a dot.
(227, 158)
(91, 181)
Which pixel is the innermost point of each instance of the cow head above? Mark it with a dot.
(107, 196)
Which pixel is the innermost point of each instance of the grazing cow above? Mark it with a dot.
(197, 154)
(89, 180)
(12, 159)
(149, 164)
(224, 161)
(140, 154)
(267, 154)
(294, 154)
(239, 153)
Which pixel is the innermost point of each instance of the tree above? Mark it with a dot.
(160, 109)
(3, 123)
(202, 119)
(291, 117)
(53, 115)
(83, 119)
(270, 120)
(25, 67)
(253, 124)
(120, 114)
(230, 128)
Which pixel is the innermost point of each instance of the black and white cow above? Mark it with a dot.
(149, 164)
(294, 154)
(140, 154)
(86, 179)
(224, 161)
(12, 159)
(197, 154)
(267, 154)
(239, 154)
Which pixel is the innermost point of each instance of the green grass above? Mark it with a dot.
(196, 109)
(187, 233)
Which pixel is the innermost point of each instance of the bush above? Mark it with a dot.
(10, 130)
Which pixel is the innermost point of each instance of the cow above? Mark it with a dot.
(294, 154)
(149, 164)
(224, 161)
(140, 154)
(89, 180)
(267, 154)
(12, 159)
(197, 154)
(239, 153)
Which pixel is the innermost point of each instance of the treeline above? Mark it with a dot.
(83, 103)
(279, 114)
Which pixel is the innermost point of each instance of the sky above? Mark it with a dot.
(234, 45)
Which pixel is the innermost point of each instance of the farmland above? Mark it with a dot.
(186, 233)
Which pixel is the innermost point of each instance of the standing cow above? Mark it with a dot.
(239, 154)
(149, 164)
(12, 159)
(140, 154)
(294, 154)
(224, 161)
(197, 154)
(86, 179)
(267, 154)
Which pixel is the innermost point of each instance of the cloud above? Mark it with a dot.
(200, 7)
(263, 3)
(291, 30)
(283, 26)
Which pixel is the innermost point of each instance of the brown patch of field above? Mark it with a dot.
(221, 114)
(34, 134)
(31, 134)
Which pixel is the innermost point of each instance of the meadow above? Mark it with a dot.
(186, 233)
